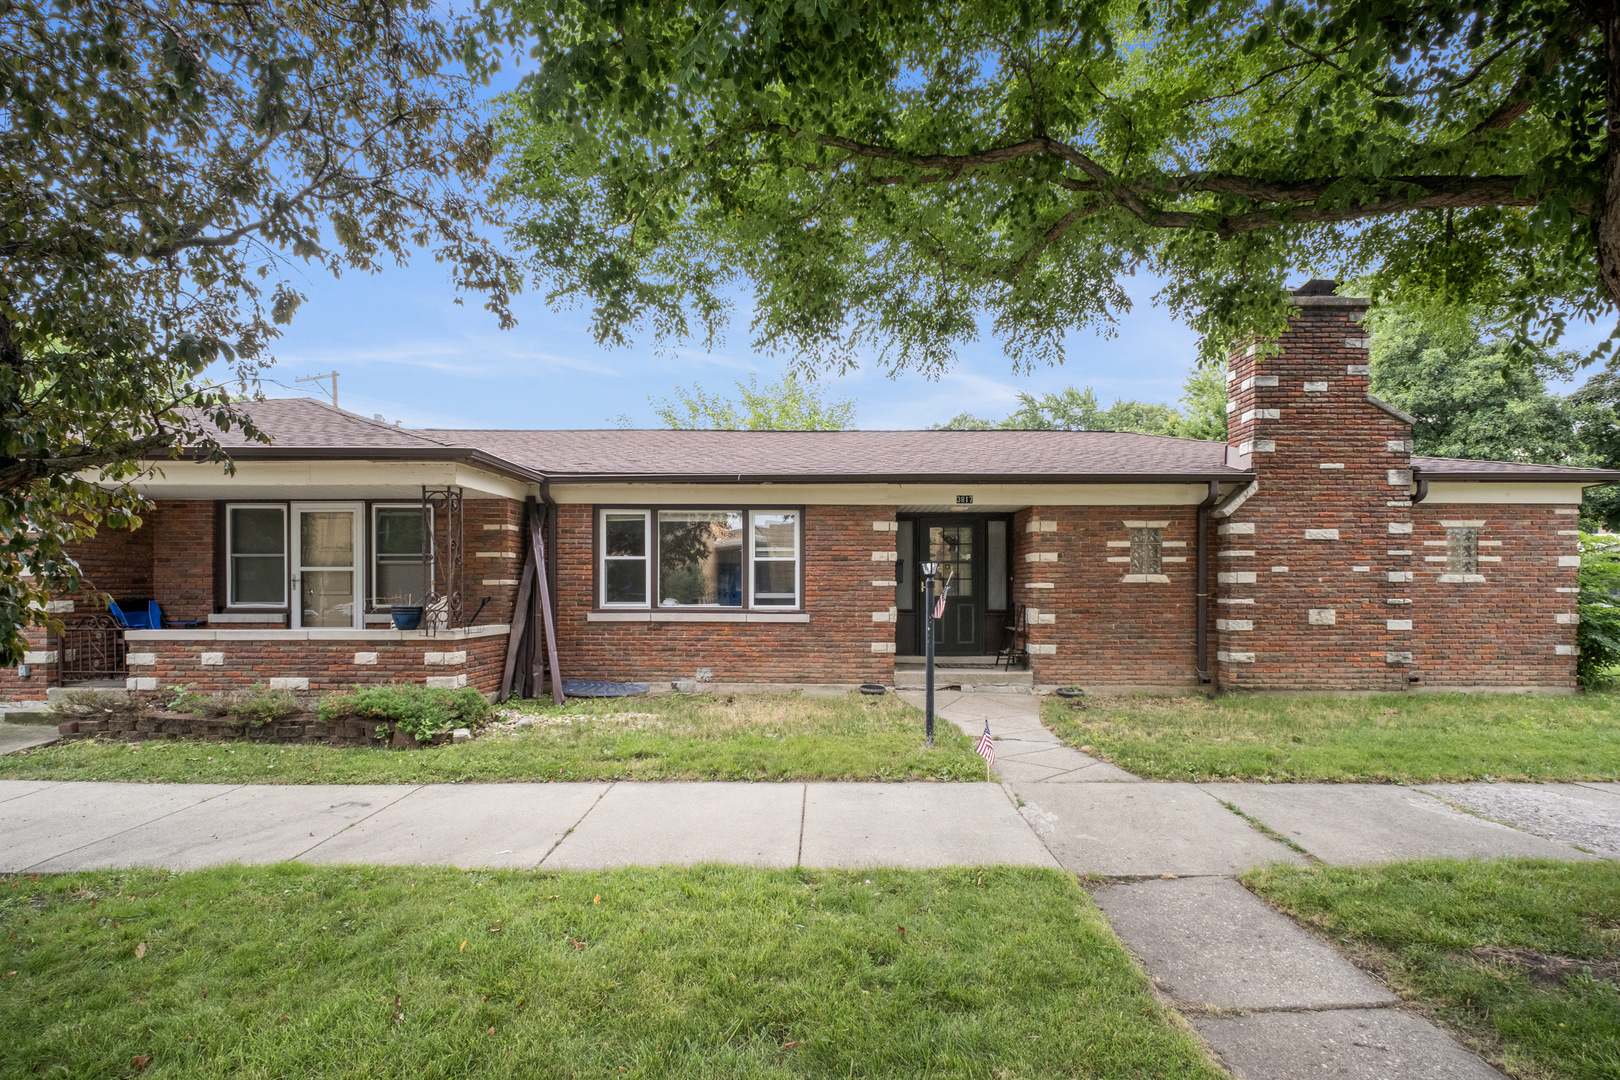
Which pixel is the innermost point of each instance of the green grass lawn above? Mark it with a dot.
(290, 971)
(663, 737)
(1421, 921)
(1402, 738)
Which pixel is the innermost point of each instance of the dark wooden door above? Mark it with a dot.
(957, 544)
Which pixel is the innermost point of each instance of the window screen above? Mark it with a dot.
(398, 533)
(624, 557)
(776, 558)
(257, 544)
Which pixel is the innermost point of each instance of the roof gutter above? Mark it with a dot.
(1589, 477)
(1233, 476)
(462, 454)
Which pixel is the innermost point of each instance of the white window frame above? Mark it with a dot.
(371, 544)
(797, 560)
(230, 556)
(649, 547)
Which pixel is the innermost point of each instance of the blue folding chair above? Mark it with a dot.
(134, 620)
(156, 615)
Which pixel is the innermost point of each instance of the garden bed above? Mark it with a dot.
(303, 728)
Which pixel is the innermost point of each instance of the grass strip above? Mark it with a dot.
(662, 737)
(1519, 953)
(1391, 738)
(713, 971)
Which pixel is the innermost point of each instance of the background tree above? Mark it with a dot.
(1202, 416)
(164, 163)
(884, 175)
(790, 404)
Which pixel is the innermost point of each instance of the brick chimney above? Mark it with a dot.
(1313, 567)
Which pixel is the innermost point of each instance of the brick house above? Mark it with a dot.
(1311, 551)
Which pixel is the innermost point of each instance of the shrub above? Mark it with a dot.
(418, 711)
(1598, 634)
(257, 706)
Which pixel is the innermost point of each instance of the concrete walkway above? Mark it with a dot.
(1269, 998)
(58, 827)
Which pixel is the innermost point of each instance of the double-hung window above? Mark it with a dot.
(699, 558)
(398, 537)
(256, 556)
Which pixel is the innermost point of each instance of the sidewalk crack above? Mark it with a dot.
(357, 821)
(804, 803)
(570, 830)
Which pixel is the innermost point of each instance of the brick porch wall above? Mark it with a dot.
(211, 661)
(1086, 624)
(1517, 627)
(835, 646)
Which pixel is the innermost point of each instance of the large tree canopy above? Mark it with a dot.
(881, 173)
(164, 167)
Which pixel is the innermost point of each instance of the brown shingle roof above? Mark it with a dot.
(305, 427)
(1432, 468)
(849, 455)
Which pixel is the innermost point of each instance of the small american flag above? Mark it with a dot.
(986, 749)
(939, 607)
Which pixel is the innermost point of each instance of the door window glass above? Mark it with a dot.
(996, 566)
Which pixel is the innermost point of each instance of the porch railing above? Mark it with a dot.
(91, 648)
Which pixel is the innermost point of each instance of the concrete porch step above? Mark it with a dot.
(913, 678)
(947, 661)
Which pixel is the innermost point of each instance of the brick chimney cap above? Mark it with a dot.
(1318, 287)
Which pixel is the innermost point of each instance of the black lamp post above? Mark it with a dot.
(929, 570)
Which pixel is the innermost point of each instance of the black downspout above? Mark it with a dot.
(1421, 493)
(1202, 606)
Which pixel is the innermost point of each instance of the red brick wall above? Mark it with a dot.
(329, 663)
(181, 535)
(1506, 629)
(1090, 626)
(1326, 469)
(835, 646)
(495, 547)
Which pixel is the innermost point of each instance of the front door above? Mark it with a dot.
(326, 565)
(956, 543)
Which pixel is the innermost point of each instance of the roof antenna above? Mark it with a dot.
(321, 378)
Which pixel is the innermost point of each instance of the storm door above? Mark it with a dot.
(957, 544)
(326, 565)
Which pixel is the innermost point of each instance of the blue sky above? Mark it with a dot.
(403, 348)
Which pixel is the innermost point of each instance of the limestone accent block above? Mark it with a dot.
(45, 656)
(1397, 624)
(213, 659)
(882, 584)
(1397, 658)
(1569, 560)
(1040, 556)
(1330, 465)
(1321, 534)
(883, 646)
(1358, 369)
(1397, 576)
(1566, 650)
(1567, 619)
(446, 682)
(1358, 343)
(1400, 478)
(141, 683)
(365, 659)
(1316, 387)
(58, 607)
(1259, 414)
(1236, 528)
(1043, 650)
(141, 659)
(500, 581)
(1400, 528)
(885, 556)
(1257, 446)
(290, 682)
(495, 555)
(1036, 525)
(441, 658)
(1234, 657)
(502, 528)
(1234, 624)
(885, 526)
(1235, 577)
(1322, 616)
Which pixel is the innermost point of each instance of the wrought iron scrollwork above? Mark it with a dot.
(442, 605)
(90, 648)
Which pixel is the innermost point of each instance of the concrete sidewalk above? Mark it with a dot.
(59, 827)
